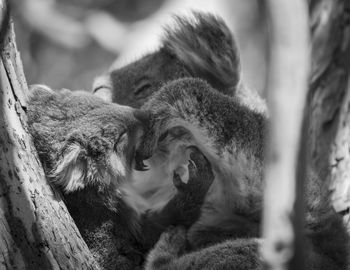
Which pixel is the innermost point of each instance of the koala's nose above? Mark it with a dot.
(102, 87)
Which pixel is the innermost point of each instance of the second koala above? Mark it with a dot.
(198, 46)
(231, 136)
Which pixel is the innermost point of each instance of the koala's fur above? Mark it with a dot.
(231, 136)
(201, 46)
(87, 147)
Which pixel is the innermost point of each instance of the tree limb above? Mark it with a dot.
(287, 85)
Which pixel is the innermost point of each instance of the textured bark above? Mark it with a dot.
(35, 228)
(329, 96)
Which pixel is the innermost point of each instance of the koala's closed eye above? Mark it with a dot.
(142, 89)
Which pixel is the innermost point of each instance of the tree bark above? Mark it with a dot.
(36, 229)
(328, 107)
(329, 96)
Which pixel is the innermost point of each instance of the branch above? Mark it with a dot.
(287, 85)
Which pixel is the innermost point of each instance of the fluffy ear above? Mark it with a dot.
(78, 168)
(206, 46)
(71, 169)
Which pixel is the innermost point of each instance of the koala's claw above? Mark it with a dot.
(200, 175)
(200, 172)
(198, 161)
(178, 182)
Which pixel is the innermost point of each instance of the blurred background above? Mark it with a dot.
(67, 43)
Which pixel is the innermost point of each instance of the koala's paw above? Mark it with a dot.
(173, 239)
(200, 174)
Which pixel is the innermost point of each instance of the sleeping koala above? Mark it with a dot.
(199, 46)
(86, 146)
(189, 112)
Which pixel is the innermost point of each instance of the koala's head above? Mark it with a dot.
(85, 143)
(82, 140)
(201, 47)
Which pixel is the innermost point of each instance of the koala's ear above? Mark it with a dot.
(206, 46)
(70, 170)
(78, 167)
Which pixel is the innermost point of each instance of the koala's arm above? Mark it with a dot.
(185, 207)
(168, 254)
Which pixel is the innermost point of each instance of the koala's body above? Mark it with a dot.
(87, 147)
(231, 136)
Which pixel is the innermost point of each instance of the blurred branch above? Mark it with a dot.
(44, 17)
(287, 85)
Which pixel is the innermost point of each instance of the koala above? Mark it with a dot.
(86, 146)
(201, 46)
(189, 112)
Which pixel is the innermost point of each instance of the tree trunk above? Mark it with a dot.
(329, 96)
(286, 88)
(36, 229)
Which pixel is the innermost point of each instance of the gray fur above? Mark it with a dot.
(207, 48)
(201, 46)
(238, 254)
